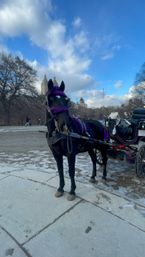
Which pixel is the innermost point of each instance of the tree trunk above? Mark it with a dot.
(7, 114)
(8, 117)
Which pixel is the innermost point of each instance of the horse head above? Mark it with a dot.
(58, 104)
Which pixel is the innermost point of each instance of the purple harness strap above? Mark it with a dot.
(55, 110)
(58, 92)
(81, 124)
(84, 130)
(106, 135)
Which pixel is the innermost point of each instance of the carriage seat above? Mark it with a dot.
(138, 117)
(120, 127)
(125, 129)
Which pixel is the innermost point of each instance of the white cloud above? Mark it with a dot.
(97, 98)
(107, 46)
(107, 56)
(67, 55)
(3, 48)
(81, 41)
(77, 22)
(32, 18)
(22, 16)
(118, 84)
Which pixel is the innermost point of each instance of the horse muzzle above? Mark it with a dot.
(61, 127)
(62, 122)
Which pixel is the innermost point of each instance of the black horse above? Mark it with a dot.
(68, 136)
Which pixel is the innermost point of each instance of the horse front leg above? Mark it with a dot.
(59, 162)
(71, 164)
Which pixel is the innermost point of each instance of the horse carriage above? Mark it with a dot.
(127, 138)
(68, 136)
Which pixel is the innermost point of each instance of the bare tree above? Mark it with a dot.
(140, 76)
(138, 91)
(17, 78)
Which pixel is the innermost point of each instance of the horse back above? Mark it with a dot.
(95, 128)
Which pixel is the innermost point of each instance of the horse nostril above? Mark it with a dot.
(62, 127)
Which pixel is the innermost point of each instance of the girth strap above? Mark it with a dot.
(82, 125)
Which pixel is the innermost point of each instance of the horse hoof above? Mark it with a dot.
(58, 194)
(71, 197)
(92, 180)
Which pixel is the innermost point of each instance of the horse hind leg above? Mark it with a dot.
(105, 158)
(94, 171)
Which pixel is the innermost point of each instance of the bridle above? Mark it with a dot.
(54, 111)
(62, 107)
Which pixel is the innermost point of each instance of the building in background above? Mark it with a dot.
(55, 81)
(44, 83)
(44, 87)
(82, 103)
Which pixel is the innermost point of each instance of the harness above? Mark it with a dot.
(82, 126)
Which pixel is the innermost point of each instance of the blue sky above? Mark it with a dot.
(95, 46)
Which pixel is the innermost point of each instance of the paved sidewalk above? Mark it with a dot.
(33, 223)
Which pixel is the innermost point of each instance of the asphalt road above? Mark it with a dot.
(22, 139)
(18, 143)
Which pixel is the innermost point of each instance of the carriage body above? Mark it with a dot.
(127, 138)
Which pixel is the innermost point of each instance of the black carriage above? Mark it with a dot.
(127, 139)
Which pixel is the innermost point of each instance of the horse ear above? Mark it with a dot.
(50, 85)
(62, 86)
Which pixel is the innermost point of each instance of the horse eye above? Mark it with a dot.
(51, 99)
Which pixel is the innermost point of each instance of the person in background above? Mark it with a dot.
(28, 121)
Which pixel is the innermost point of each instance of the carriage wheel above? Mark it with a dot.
(99, 158)
(140, 162)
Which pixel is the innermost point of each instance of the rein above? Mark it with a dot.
(89, 139)
(69, 143)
